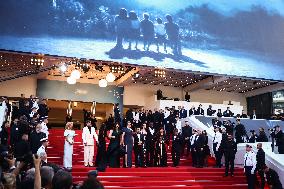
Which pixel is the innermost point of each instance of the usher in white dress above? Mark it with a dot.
(68, 148)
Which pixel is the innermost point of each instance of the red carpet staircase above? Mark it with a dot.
(184, 176)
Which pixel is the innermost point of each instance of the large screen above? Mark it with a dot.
(235, 38)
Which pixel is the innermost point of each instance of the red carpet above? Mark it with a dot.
(137, 178)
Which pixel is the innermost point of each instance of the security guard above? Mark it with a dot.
(216, 146)
(230, 150)
(250, 166)
(41, 152)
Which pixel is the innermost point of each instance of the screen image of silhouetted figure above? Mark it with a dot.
(129, 28)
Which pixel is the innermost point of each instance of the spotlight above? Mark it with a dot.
(110, 77)
(103, 83)
(63, 68)
(76, 74)
(71, 80)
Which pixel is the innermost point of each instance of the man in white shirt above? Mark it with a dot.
(216, 146)
(44, 128)
(88, 136)
(178, 124)
(41, 152)
(250, 166)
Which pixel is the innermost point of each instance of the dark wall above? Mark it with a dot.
(60, 90)
(262, 104)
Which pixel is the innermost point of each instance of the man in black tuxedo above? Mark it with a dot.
(176, 147)
(228, 113)
(182, 112)
(210, 111)
(260, 163)
(191, 111)
(139, 147)
(199, 147)
(186, 134)
(199, 110)
(279, 138)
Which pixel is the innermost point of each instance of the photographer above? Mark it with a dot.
(272, 178)
(262, 136)
(241, 133)
(278, 135)
(253, 137)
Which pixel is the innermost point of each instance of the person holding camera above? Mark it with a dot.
(272, 178)
(240, 133)
(278, 135)
(253, 137)
(262, 136)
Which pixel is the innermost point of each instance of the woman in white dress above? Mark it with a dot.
(69, 134)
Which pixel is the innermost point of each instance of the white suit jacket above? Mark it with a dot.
(89, 137)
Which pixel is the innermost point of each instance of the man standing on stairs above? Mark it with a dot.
(250, 166)
(230, 150)
(216, 146)
(88, 136)
(193, 139)
(199, 147)
(176, 147)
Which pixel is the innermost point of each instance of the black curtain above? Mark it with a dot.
(262, 104)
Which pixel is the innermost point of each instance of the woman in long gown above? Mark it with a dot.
(127, 141)
(101, 155)
(69, 134)
(113, 150)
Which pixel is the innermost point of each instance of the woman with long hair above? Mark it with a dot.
(69, 134)
(101, 155)
(127, 141)
(113, 150)
(206, 149)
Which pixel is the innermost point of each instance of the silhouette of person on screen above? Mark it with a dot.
(172, 30)
(147, 30)
(134, 31)
(160, 33)
(121, 26)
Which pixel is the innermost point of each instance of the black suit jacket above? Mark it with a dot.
(260, 159)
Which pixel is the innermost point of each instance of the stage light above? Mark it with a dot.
(71, 80)
(63, 68)
(110, 77)
(76, 74)
(103, 83)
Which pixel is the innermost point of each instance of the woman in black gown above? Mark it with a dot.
(127, 141)
(113, 150)
(206, 149)
(101, 155)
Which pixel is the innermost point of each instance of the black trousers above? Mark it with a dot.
(262, 178)
(185, 143)
(218, 155)
(229, 163)
(139, 156)
(200, 157)
(193, 157)
(250, 177)
(175, 157)
(150, 154)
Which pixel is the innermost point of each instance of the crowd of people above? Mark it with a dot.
(149, 135)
